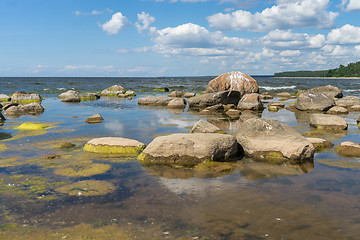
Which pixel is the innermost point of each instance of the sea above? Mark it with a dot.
(48, 191)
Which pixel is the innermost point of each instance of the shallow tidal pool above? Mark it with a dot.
(50, 189)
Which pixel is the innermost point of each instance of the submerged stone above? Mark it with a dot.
(114, 145)
(82, 169)
(66, 145)
(87, 188)
(348, 149)
(29, 126)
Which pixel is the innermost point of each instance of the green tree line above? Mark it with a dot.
(351, 70)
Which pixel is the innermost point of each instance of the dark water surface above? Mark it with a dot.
(251, 200)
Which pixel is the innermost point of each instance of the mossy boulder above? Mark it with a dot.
(114, 145)
(87, 188)
(189, 149)
(65, 145)
(348, 149)
(33, 108)
(94, 119)
(24, 97)
(30, 126)
(130, 93)
(89, 96)
(82, 169)
(320, 144)
(4, 98)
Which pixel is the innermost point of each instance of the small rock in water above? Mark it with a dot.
(96, 118)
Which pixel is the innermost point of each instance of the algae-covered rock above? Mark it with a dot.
(89, 96)
(65, 145)
(24, 97)
(114, 145)
(348, 149)
(130, 93)
(82, 169)
(320, 144)
(29, 126)
(87, 188)
(4, 98)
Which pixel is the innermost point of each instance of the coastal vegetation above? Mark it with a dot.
(351, 70)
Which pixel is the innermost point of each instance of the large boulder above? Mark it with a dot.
(190, 149)
(24, 97)
(210, 99)
(251, 101)
(348, 101)
(328, 122)
(328, 90)
(112, 91)
(270, 141)
(26, 109)
(308, 101)
(179, 103)
(233, 81)
(114, 145)
(203, 126)
(4, 98)
(154, 101)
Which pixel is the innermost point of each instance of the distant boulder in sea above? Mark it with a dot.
(233, 81)
(112, 91)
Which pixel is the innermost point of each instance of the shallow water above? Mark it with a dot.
(247, 200)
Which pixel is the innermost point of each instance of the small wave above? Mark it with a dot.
(351, 90)
(61, 89)
(278, 88)
(46, 89)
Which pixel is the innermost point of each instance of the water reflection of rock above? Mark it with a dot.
(253, 170)
(327, 135)
(303, 118)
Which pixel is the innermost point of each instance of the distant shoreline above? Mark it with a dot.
(323, 77)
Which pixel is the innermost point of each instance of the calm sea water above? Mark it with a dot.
(251, 200)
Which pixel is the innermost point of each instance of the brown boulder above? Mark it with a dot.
(233, 81)
(251, 101)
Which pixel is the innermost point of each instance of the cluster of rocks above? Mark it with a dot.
(72, 96)
(20, 103)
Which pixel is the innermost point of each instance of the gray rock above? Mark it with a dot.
(176, 94)
(26, 109)
(251, 101)
(89, 96)
(69, 93)
(233, 113)
(177, 103)
(348, 101)
(203, 126)
(112, 91)
(270, 141)
(337, 110)
(284, 95)
(73, 99)
(4, 98)
(210, 99)
(190, 148)
(320, 144)
(154, 101)
(314, 102)
(328, 122)
(189, 95)
(329, 90)
(23, 97)
(130, 93)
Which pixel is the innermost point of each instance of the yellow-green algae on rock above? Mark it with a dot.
(29, 187)
(114, 145)
(30, 126)
(87, 188)
(83, 169)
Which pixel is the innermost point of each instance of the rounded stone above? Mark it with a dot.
(348, 149)
(96, 118)
(337, 110)
(177, 103)
(114, 145)
(328, 122)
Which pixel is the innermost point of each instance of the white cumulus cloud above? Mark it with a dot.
(144, 22)
(115, 24)
(347, 34)
(351, 5)
(286, 14)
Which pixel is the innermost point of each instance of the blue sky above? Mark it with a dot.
(175, 37)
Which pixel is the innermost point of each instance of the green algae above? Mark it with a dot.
(29, 126)
(83, 169)
(87, 188)
(10, 162)
(159, 90)
(113, 149)
(65, 145)
(3, 147)
(23, 134)
(29, 187)
(27, 101)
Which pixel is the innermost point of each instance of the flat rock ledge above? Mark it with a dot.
(328, 122)
(320, 144)
(348, 149)
(273, 142)
(190, 149)
(114, 145)
(154, 101)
